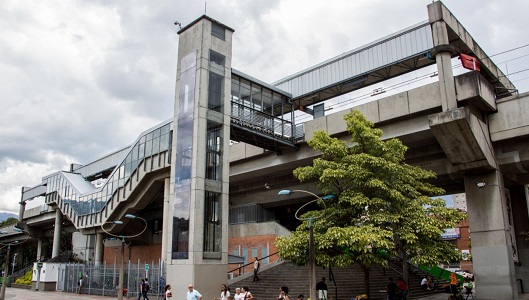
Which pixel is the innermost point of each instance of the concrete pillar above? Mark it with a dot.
(57, 230)
(202, 110)
(520, 206)
(22, 207)
(99, 249)
(166, 220)
(443, 55)
(39, 249)
(491, 228)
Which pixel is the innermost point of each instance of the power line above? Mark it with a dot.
(512, 49)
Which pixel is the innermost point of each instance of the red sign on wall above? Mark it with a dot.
(469, 62)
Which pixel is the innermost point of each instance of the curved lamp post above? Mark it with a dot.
(123, 237)
(312, 257)
(6, 266)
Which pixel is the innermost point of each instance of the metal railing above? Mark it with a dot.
(103, 280)
(240, 269)
(261, 121)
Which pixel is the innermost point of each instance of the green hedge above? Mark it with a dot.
(26, 279)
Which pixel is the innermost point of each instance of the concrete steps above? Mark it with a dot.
(349, 282)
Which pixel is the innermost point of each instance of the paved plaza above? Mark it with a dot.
(22, 294)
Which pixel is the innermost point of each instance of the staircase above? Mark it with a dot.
(349, 282)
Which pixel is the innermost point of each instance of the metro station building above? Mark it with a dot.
(206, 181)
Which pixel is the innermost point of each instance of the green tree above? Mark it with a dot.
(8, 222)
(382, 206)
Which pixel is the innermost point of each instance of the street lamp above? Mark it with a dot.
(123, 237)
(312, 257)
(6, 266)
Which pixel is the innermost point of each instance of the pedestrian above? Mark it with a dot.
(246, 292)
(146, 289)
(193, 294)
(256, 266)
(284, 293)
(140, 289)
(321, 287)
(403, 288)
(224, 293)
(301, 297)
(80, 284)
(391, 289)
(238, 295)
(168, 294)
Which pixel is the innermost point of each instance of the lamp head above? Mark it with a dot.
(328, 197)
(285, 192)
(118, 222)
(17, 229)
(130, 216)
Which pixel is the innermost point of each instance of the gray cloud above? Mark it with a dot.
(81, 79)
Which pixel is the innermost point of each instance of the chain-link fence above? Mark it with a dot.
(104, 280)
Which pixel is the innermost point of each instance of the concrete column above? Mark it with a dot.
(204, 56)
(520, 206)
(167, 218)
(22, 207)
(443, 59)
(57, 233)
(39, 249)
(489, 215)
(99, 249)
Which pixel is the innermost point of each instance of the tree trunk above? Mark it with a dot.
(366, 281)
(405, 266)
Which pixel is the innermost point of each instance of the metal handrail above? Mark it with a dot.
(252, 262)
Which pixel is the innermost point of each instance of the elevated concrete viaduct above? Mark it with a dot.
(470, 129)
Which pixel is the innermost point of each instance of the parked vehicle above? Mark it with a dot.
(464, 273)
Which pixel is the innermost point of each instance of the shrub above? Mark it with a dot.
(26, 279)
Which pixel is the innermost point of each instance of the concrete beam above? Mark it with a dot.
(464, 139)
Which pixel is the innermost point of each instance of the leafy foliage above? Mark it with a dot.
(26, 279)
(8, 222)
(382, 205)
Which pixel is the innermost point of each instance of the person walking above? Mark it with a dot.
(246, 292)
(403, 288)
(80, 284)
(391, 289)
(256, 266)
(168, 293)
(283, 293)
(321, 287)
(141, 288)
(146, 288)
(193, 294)
(224, 293)
(238, 295)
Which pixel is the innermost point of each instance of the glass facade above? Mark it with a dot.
(212, 222)
(261, 108)
(216, 81)
(61, 185)
(213, 151)
(218, 31)
(184, 157)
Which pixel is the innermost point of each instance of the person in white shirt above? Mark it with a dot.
(193, 294)
(168, 293)
(224, 293)
(256, 265)
(238, 295)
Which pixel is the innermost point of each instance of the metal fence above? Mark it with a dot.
(104, 280)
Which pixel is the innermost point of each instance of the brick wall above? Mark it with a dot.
(250, 242)
(145, 253)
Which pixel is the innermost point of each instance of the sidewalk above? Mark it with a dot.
(22, 294)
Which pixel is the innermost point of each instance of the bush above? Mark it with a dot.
(26, 279)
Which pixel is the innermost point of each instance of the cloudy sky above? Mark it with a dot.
(83, 78)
